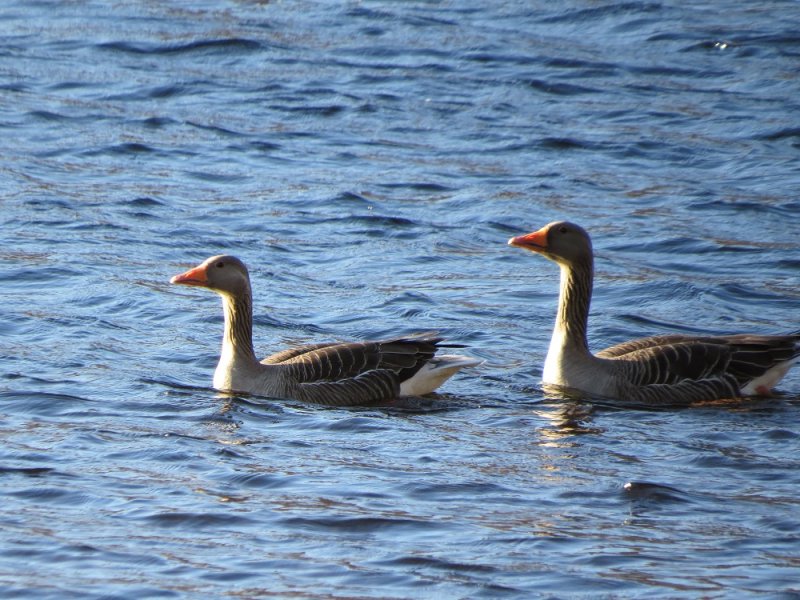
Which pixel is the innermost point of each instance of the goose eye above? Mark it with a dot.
(562, 229)
(220, 264)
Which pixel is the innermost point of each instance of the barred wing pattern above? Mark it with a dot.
(357, 372)
(680, 369)
(289, 353)
(641, 344)
(679, 394)
(367, 388)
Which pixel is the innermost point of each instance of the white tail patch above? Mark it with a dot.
(434, 373)
(762, 385)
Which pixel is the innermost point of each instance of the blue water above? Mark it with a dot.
(369, 160)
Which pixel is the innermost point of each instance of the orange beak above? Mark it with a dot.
(536, 241)
(196, 276)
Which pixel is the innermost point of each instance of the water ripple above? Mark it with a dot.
(369, 163)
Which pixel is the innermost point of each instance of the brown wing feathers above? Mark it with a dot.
(682, 393)
(402, 356)
(360, 372)
(641, 344)
(674, 363)
(753, 355)
(672, 359)
(285, 355)
(372, 386)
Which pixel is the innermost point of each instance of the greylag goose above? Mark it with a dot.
(660, 370)
(338, 374)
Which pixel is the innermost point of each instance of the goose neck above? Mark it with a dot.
(573, 305)
(237, 340)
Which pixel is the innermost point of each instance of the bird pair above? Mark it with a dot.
(661, 370)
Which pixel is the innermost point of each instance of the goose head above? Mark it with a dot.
(566, 243)
(224, 274)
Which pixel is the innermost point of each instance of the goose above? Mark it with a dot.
(667, 369)
(337, 374)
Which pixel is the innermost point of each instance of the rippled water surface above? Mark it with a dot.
(369, 160)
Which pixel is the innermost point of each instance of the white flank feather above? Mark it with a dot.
(435, 372)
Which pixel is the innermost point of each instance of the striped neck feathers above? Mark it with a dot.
(237, 340)
(573, 305)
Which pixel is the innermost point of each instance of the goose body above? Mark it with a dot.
(328, 373)
(661, 370)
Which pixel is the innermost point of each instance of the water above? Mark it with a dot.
(369, 160)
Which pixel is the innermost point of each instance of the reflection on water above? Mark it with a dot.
(568, 419)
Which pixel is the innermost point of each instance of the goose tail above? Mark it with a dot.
(435, 372)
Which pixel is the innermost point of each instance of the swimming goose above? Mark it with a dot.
(666, 369)
(338, 374)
